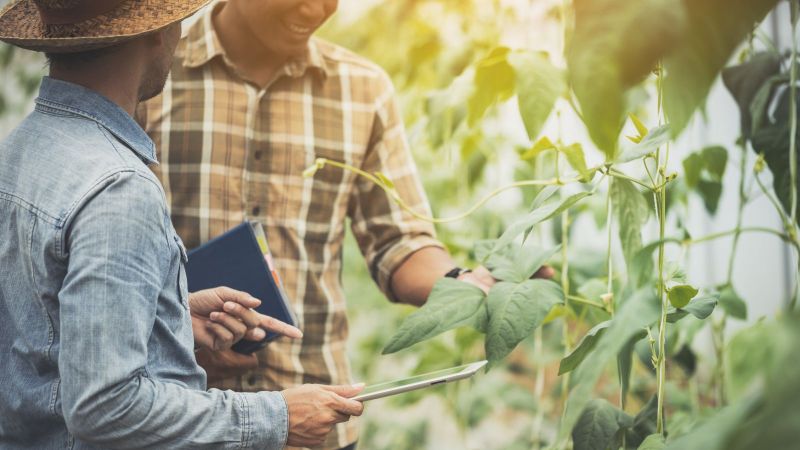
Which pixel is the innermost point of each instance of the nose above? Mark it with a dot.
(317, 10)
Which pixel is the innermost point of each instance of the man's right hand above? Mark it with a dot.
(315, 409)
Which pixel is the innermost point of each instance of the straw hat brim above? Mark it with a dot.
(21, 25)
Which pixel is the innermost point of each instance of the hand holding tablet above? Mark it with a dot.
(419, 381)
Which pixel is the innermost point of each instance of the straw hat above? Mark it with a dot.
(68, 26)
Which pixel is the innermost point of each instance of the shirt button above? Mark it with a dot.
(256, 211)
(257, 154)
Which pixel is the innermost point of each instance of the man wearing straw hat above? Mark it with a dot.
(98, 329)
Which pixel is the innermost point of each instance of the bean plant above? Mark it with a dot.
(612, 52)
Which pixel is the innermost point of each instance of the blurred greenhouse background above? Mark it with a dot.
(429, 47)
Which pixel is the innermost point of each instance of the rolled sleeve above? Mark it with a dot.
(396, 256)
(386, 233)
(265, 420)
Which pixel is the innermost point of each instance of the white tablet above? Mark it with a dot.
(418, 382)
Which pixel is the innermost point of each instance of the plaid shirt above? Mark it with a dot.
(231, 151)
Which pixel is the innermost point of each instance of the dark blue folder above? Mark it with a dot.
(236, 260)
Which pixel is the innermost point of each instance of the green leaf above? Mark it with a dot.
(716, 159)
(692, 168)
(605, 59)
(640, 127)
(625, 362)
(598, 425)
(700, 307)
(704, 171)
(653, 442)
(681, 294)
(515, 310)
(539, 83)
(494, 82)
(644, 424)
(743, 82)
(538, 147)
(715, 28)
(635, 314)
(576, 159)
(772, 139)
(733, 305)
(631, 213)
(656, 138)
(520, 263)
(584, 347)
(540, 214)
(452, 304)
(641, 271)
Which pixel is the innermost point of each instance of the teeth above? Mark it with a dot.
(298, 28)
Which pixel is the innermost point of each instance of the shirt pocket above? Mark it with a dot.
(183, 284)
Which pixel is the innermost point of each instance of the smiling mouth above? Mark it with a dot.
(302, 30)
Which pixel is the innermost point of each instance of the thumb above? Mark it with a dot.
(345, 390)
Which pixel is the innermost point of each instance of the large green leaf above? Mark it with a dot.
(597, 426)
(631, 212)
(539, 83)
(513, 263)
(637, 312)
(515, 310)
(616, 43)
(715, 29)
(452, 304)
(494, 82)
(540, 214)
(744, 80)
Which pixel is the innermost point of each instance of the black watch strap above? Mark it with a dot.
(456, 272)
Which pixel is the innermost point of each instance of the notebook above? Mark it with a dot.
(240, 259)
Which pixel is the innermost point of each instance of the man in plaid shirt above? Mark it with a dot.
(252, 101)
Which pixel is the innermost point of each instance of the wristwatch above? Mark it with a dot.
(456, 272)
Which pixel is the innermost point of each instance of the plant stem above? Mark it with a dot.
(793, 142)
(538, 390)
(586, 301)
(565, 288)
(617, 174)
(721, 234)
(661, 203)
(662, 324)
(793, 116)
(322, 162)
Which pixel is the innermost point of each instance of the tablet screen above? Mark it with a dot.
(443, 375)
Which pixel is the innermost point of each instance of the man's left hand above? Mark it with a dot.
(223, 316)
(482, 278)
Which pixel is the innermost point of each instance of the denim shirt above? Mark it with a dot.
(95, 332)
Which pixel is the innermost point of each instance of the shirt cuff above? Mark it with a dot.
(396, 256)
(265, 420)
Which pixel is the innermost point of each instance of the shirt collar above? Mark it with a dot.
(85, 102)
(202, 45)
